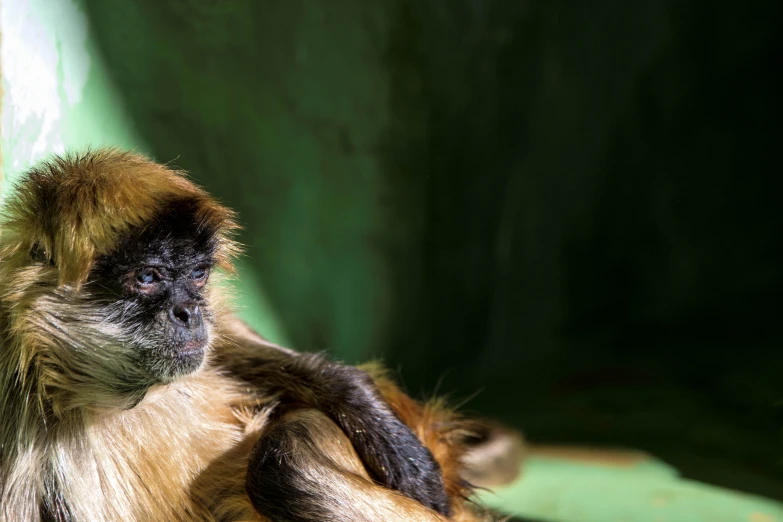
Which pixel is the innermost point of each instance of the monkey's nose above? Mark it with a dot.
(187, 315)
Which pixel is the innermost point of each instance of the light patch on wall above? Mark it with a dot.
(33, 55)
(45, 65)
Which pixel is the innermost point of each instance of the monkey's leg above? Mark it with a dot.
(304, 469)
(391, 452)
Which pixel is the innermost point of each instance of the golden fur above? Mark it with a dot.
(176, 452)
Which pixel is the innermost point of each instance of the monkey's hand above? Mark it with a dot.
(391, 452)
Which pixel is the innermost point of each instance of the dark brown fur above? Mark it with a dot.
(88, 435)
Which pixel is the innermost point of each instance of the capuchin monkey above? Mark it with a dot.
(130, 392)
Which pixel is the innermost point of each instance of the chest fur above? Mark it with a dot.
(143, 464)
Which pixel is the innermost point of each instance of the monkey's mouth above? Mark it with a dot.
(189, 354)
(177, 360)
(191, 348)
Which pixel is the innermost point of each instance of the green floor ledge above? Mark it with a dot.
(564, 490)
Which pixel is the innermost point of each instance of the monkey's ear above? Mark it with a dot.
(73, 256)
(39, 255)
(63, 243)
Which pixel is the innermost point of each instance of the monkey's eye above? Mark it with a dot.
(147, 276)
(199, 273)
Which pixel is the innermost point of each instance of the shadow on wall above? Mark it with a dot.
(572, 209)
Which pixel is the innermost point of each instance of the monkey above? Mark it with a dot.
(131, 391)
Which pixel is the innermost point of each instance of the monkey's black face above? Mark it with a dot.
(154, 286)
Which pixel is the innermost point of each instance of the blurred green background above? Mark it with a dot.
(564, 214)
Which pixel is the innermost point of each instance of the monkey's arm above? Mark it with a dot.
(303, 469)
(392, 453)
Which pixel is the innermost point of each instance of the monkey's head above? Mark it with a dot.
(105, 259)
